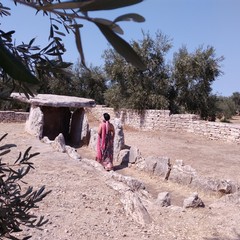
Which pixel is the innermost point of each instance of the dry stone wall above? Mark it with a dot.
(11, 116)
(155, 120)
(162, 119)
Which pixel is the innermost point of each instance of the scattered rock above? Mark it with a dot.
(193, 201)
(59, 143)
(134, 155)
(123, 157)
(163, 199)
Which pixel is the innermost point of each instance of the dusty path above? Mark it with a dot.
(82, 206)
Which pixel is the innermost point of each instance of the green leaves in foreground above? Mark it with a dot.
(92, 5)
(108, 28)
(122, 47)
(17, 204)
(130, 16)
(14, 67)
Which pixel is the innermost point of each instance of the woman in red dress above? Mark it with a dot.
(105, 143)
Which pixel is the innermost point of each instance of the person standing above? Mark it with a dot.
(105, 141)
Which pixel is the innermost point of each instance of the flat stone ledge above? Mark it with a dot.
(52, 100)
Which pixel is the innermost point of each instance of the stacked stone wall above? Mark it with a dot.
(11, 116)
(99, 110)
(163, 120)
(155, 120)
(182, 122)
(149, 120)
(216, 130)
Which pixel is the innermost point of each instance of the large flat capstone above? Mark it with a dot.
(52, 100)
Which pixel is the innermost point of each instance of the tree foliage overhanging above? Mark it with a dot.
(24, 65)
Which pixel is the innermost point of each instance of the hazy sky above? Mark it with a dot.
(187, 22)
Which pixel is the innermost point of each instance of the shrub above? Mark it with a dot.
(15, 204)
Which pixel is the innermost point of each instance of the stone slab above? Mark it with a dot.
(52, 100)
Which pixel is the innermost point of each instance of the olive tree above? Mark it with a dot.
(226, 108)
(193, 75)
(89, 83)
(236, 99)
(130, 87)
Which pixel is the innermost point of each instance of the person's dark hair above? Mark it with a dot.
(106, 116)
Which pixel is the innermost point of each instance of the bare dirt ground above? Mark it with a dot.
(83, 206)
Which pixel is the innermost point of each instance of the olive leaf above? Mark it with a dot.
(96, 5)
(62, 5)
(14, 67)
(91, 5)
(122, 47)
(130, 17)
(116, 28)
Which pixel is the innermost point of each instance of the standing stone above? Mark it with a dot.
(134, 155)
(34, 123)
(93, 139)
(119, 141)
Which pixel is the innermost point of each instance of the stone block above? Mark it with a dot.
(183, 174)
(159, 166)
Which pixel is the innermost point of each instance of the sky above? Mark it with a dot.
(190, 23)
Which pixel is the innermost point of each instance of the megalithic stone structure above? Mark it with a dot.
(51, 115)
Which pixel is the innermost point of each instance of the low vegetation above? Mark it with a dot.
(16, 203)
